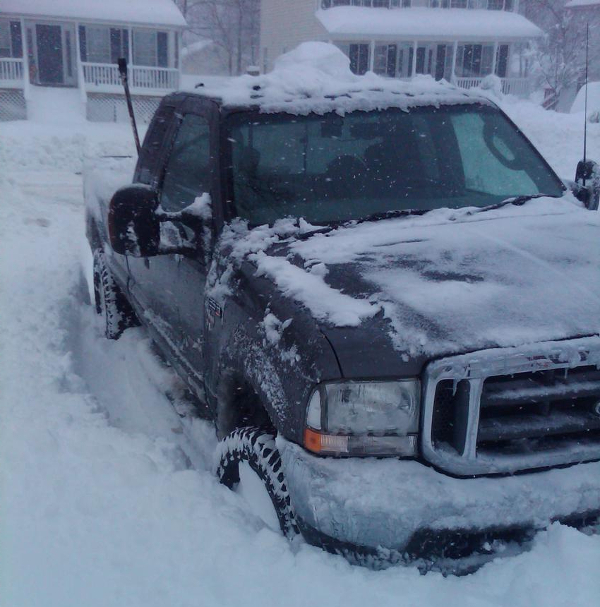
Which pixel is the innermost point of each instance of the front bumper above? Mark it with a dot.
(407, 508)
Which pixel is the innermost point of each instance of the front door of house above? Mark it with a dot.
(51, 69)
(55, 60)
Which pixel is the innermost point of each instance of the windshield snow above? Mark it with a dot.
(331, 168)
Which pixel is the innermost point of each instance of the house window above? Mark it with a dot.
(11, 40)
(474, 60)
(405, 59)
(97, 44)
(385, 59)
(150, 48)
(359, 58)
(5, 45)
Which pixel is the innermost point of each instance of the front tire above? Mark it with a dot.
(256, 447)
(109, 300)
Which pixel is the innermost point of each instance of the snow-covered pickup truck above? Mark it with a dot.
(380, 292)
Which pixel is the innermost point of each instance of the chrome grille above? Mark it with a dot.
(507, 410)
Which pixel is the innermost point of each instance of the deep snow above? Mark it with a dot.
(106, 493)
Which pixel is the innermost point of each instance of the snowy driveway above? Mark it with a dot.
(106, 494)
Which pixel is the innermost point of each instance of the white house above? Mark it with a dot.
(459, 40)
(76, 43)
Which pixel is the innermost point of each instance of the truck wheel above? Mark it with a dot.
(110, 302)
(253, 450)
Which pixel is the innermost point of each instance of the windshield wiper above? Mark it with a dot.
(390, 214)
(516, 200)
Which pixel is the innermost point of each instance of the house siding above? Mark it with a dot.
(277, 34)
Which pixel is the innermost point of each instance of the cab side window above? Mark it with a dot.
(187, 173)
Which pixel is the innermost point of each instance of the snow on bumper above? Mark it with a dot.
(383, 503)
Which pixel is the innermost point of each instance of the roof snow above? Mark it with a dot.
(582, 3)
(316, 77)
(426, 24)
(146, 12)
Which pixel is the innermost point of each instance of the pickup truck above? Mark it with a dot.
(384, 298)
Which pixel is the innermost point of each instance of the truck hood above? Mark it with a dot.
(390, 295)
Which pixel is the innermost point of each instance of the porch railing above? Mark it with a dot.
(11, 73)
(103, 76)
(521, 87)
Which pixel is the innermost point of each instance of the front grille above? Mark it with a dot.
(502, 411)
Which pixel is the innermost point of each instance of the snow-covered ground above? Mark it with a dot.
(106, 493)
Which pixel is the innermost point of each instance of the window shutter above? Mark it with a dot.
(16, 37)
(82, 43)
(162, 48)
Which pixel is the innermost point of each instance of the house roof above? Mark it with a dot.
(354, 22)
(582, 3)
(142, 12)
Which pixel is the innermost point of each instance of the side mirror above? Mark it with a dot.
(587, 179)
(133, 226)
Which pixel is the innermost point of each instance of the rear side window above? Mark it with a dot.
(187, 174)
(148, 167)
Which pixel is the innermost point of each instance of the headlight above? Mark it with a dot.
(364, 418)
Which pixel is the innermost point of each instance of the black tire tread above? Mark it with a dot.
(110, 301)
(257, 447)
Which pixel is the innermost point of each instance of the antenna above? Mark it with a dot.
(587, 49)
(122, 63)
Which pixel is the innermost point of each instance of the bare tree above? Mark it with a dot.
(558, 56)
(233, 25)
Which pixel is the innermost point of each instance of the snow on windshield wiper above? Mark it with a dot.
(516, 200)
(391, 214)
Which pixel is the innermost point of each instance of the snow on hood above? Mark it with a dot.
(450, 281)
(316, 77)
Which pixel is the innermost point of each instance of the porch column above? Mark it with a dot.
(26, 83)
(371, 55)
(130, 49)
(414, 61)
(454, 54)
(81, 84)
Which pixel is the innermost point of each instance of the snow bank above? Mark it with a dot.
(593, 101)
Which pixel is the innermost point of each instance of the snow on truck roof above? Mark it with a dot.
(427, 23)
(316, 78)
(146, 12)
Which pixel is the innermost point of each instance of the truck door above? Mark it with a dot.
(150, 280)
(189, 173)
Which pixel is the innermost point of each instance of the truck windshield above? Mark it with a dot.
(330, 168)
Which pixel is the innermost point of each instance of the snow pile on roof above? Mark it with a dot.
(316, 77)
(147, 12)
(427, 23)
(581, 3)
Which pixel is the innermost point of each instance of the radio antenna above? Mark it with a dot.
(587, 48)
